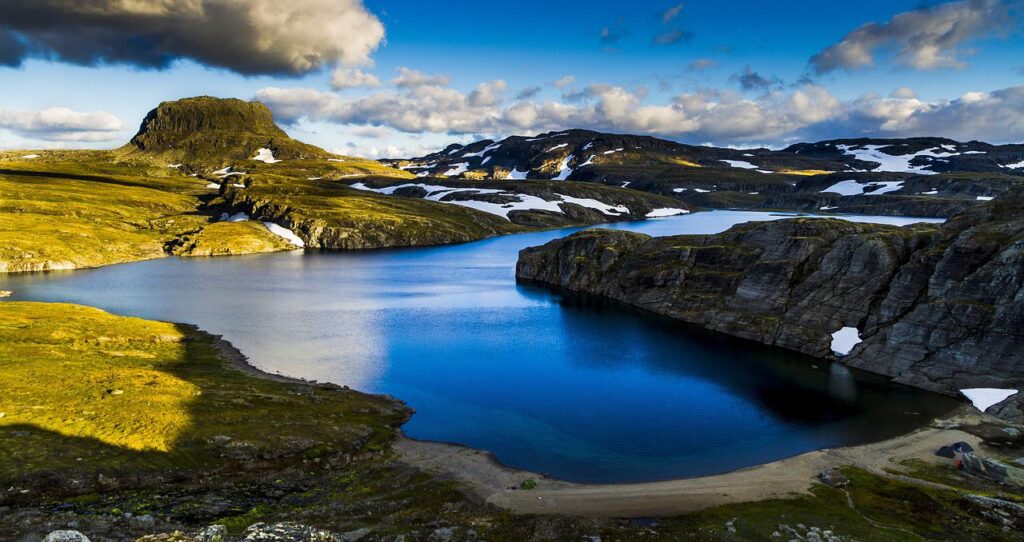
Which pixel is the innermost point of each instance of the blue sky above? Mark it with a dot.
(964, 82)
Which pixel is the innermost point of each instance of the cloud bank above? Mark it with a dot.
(250, 37)
(61, 124)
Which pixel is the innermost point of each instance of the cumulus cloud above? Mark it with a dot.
(410, 78)
(344, 78)
(924, 39)
(246, 36)
(671, 13)
(61, 124)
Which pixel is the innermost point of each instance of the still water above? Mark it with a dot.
(569, 387)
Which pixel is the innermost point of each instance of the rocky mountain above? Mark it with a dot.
(919, 176)
(938, 307)
(207, 131)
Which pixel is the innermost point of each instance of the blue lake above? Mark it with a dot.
(570, 387)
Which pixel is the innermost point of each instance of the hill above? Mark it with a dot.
(207, 131)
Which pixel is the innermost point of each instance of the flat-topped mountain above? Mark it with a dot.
(207, 131)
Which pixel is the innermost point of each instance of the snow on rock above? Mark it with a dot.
(564, 169)
(854, 188)
(666, 211)
(489, 148)
(930, 192)
(588, 162)
(237, 217)
(1018, 165)
(485, 160)
(983, 398)
(613, 151)
(172, 166)
(457, 169)
(556, 147)
(678, 190)
(213, 186)
(739, 164)
(285, 233)
(32, 156)
(890, 163)
(594, 204)
(702, 190)
(227, 172)
(985, 198)
(265, 155)
(526, 202)
(844, 340)
(335, 160)
(827, 208)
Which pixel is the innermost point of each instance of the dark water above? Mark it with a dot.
(572, 388)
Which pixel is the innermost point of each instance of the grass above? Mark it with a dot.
(89, 391)
(230, 238)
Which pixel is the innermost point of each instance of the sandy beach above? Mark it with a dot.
(489, 480)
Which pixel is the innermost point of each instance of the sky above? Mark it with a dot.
(403, 78)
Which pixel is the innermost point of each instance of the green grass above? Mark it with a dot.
(85, 390)
(229, 239)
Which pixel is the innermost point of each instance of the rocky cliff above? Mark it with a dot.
(938, 307)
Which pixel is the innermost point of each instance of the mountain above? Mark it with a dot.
(919, 176)
(207, 131)
(937, 307)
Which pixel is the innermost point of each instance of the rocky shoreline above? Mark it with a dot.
(937, 307)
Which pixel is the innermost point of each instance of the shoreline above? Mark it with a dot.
(484, 477)
(491, 481)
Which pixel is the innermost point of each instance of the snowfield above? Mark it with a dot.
(896, 164)
(739, 164)
(564, 169)
(666, 211)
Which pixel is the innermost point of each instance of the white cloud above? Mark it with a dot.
(565, 81)
(924, 39)
(61, 124)
(344, 78)
(721, 117)
(671, 13)
(409, 78)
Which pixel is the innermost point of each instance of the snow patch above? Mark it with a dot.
(265, 155)
(457, 169)
(564, 169)
(516, 175)
(985, 198)
(237, 217)
(739, 164)
(556, 147)
(335, 160)
(613, 151)
(890, 163)
(32, 156)
(595, 204)
(930, 192)
(983, 398)
(285, 233)
(844, 340)
(172, 166)
(666, 211)
(213, 186)
(854, 188)
(487, 149)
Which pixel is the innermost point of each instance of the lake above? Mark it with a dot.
(570, 387)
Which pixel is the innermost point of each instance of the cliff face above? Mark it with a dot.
(941, 308)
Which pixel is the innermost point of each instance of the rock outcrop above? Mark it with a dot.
(937, 307)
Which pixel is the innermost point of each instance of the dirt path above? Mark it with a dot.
(491, 481)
